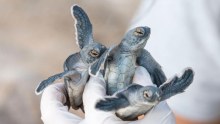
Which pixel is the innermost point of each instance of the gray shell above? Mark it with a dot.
(136, 100)
(121, 63)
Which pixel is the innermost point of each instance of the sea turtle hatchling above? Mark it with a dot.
(76, 66)
(122, 60)
(136, 100)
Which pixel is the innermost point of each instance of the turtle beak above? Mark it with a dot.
(102, 49)
(147, 30)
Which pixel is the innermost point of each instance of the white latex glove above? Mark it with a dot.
(54, 112)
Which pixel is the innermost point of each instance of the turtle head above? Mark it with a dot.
(91, 52)
(150, 95)
(135, 39)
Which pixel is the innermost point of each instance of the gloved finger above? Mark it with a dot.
(53, 110)
(94, 90)
(160, 114)
(142, 77)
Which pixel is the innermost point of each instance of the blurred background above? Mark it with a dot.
(36, 36)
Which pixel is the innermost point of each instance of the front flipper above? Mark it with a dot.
(82, 25)
(94, 68)
(112, 103)
(147, 61)
(51, 79)
(177, 84)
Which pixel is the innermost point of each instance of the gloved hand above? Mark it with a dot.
(54, 112)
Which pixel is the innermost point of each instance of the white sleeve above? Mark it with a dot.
(186, 33)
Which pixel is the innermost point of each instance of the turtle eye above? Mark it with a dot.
(147, 94)
(139, 32)
(94, 53)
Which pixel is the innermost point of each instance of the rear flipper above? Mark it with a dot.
(51, 79)
(177, 84)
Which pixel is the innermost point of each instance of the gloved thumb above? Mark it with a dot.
(142, 77)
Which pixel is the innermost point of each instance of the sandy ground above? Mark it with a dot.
(36, 36)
